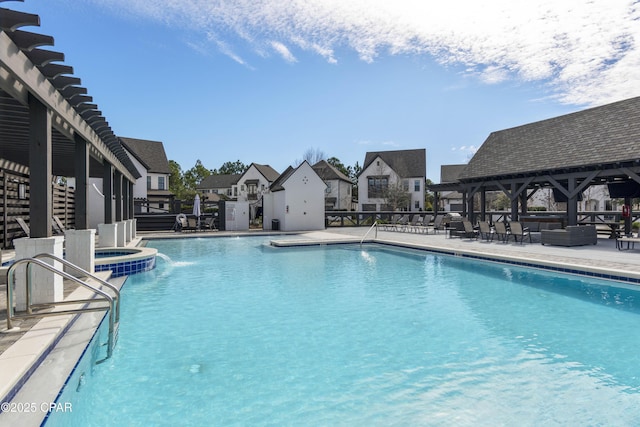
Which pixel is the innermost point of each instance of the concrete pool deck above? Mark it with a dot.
(602, 259)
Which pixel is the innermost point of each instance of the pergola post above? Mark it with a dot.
(81, 160)
(572, 202)
(40, 169)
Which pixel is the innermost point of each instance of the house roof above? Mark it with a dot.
(277, 184)
(150, 153)
(451, 173)
(327, 172)
(219, 181)
(608, 134)
(406, 163)
(267, 171)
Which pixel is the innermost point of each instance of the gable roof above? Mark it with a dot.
(277, 185)
(326, 172)
(267, 171)
(406, 163)
(451, 173)
(608, 134)
(219, 181)
(150, 153)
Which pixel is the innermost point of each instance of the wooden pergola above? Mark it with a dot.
(49, 124)
(568, 153)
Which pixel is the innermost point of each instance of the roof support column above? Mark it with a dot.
(514, 201)
(572, 202)
(81, 160)
(40, 169)
(107, 190)
(117, 189)
(131, 201)
(125, 199)
(483, 204)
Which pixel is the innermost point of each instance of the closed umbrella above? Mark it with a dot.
(196, 208)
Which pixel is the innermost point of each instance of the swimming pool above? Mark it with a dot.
(234, 332)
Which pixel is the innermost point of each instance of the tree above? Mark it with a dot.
(396, 197)
(231, 168)
(194, 176)
(312, 156)
(428, 195)
(336, 163)
(176, 180)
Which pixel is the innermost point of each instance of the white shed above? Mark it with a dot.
(295, 201)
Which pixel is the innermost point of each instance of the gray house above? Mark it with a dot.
(338, 194)
(384, 170)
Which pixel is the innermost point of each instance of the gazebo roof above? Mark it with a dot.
(609, 134)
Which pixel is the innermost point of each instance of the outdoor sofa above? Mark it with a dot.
(573, 235)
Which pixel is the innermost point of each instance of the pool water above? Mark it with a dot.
(234, 332)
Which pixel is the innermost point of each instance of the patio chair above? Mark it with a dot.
(437, 224)
(415, 220)
(518, 231)
(469, 231)
(485, 231)
(391, 225)
(209, 223)
(401, 224)
(501, 231)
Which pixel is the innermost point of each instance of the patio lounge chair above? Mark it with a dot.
(401, 224)
(209, 223)
(469, 231)
(501, 231)
(518, 231)
(415, 220)
(485, 231)
(58, 226)
(437, 224)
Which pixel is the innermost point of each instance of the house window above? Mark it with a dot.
(328, 186)
(369, 207)
(416, 185)
(405, 185)
(148, 183)
(160, 205)
(161, 183)
(377, 186)
(417, 205)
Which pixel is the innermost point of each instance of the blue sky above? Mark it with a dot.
(265, 80)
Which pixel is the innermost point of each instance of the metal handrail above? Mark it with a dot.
(90, 275)
(374, 225)
(29, 263)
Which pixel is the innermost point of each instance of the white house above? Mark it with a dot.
(254, 182)
(338, 195)
(295, 201)
(386, 172)
(151, 191)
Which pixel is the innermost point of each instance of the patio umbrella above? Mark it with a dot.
(196, 208)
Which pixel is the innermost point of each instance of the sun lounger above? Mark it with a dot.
(518, 231)
(485, 231)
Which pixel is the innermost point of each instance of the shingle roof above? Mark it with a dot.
(267, 171)
(150, 153)
(277, 184)
(451, 173)
(327, 172)
(219, 181)
(606, 134)
(406, 163)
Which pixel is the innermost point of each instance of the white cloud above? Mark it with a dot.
(283, 51)
(587, 52)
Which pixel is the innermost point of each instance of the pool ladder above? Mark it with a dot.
(113, 301)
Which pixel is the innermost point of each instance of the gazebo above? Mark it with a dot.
(568, 153)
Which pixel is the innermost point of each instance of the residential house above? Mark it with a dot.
(151, 191)
(254, 182)
(338, 195)
(450, 201)
(386, 173)
(216, 187)
(295, 201)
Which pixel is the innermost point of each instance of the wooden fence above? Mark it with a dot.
(14, 193)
